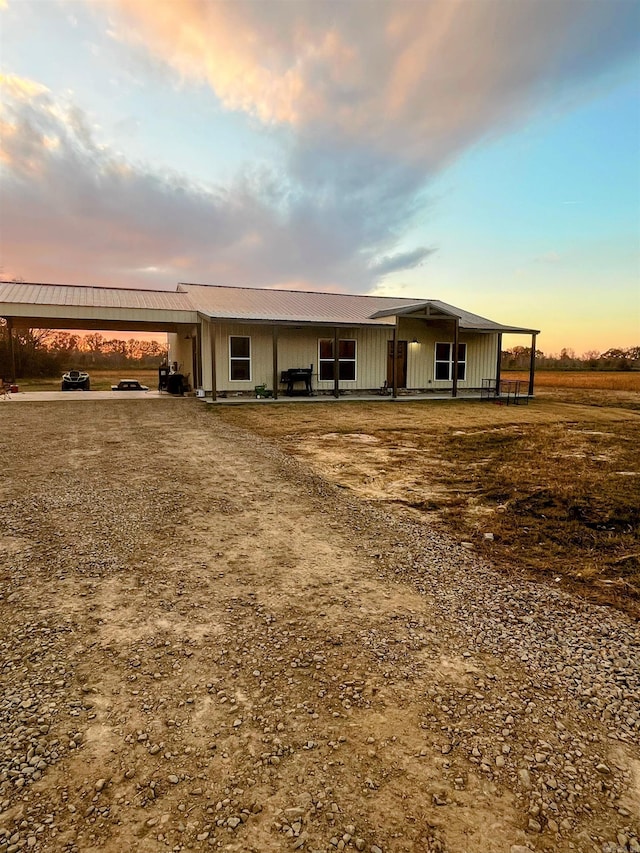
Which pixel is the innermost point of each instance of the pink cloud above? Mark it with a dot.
(421, 79)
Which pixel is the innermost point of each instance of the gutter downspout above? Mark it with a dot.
(499, 364)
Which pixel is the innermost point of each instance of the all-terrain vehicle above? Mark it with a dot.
(75, 380)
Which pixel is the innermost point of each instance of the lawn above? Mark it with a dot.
(552, 489)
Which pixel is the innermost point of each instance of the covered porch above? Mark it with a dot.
(425, 352)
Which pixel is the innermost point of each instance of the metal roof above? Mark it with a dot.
(250, 303)
(294, 306)
(435, 308)
(23, 293)
(244, 304)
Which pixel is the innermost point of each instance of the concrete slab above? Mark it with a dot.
(85, 396)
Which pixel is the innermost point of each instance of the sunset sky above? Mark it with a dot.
(481, 152)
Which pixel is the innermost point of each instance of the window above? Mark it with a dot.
(239, 359)
(444, 362)
(346, 359)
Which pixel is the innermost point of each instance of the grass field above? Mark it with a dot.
(614, 380)
(101, 380)
(591, 387)
(556, 485)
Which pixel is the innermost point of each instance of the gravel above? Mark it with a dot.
(218, 713)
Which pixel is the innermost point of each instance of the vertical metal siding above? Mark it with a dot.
(481, 354)
(296, 348)
(299, 348)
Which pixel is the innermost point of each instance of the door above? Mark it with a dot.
(401, 364)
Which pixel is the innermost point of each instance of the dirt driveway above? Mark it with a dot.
(205, 645)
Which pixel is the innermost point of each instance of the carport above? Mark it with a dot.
(49, 306)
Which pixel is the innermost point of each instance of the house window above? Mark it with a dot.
(444, 362)
(346, 359)
(239, 359)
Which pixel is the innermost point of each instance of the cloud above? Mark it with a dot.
(376, 100)
(83, 213)
(422, 80)
(402, 261)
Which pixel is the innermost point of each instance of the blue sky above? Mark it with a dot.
(484, 153)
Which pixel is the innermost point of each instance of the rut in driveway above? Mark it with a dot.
(207, 646)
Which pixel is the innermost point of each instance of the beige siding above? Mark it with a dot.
(299, 348)
(481, 354)
(296, 348)
(180, 351)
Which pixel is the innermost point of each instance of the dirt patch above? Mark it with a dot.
(206, 645)
(538, 487)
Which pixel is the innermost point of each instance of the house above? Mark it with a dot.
(231, 339)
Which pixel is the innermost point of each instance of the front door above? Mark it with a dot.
(401, 364)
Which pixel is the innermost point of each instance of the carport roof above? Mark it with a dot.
(78, 296)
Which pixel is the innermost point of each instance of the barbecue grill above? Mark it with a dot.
(295, 376)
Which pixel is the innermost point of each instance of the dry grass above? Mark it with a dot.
(557, 484)
(622, 380)
(590, 387)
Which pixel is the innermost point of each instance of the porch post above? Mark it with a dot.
(198, 340)
(532, 364)
(12, 352)
(456, 334)
(394, 384)
(213, 361)
(274, 345)
(336, 362)
(498, 364)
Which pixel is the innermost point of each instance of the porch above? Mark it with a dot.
(504, 397)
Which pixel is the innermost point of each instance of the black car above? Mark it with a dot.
(76, 380)
(129, 385)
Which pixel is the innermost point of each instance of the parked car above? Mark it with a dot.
(129, 385)
(76, 380)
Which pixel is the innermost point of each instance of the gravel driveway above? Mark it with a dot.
(206, 646)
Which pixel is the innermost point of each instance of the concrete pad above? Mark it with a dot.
(84, 396)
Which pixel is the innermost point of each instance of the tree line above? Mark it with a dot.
(616, 358)
(47, 352)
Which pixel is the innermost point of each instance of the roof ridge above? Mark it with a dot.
(305, 292)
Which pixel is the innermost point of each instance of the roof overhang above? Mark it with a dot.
(290, 322)
(101, 325)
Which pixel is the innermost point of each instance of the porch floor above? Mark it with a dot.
(363, 398)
